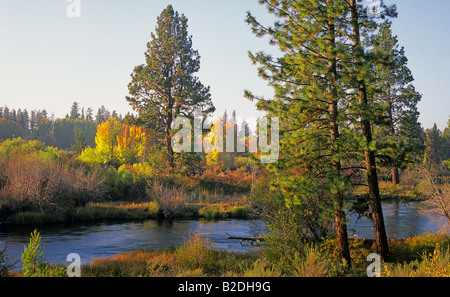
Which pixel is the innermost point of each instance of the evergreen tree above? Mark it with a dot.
(89, 114)
(308, 95)
(79, 145)
(363, 24)
(165, 87)
(26, 121)
(75, 111)
(434, 147)
(33, 121)
(399, 98)
(33, 257)
(6, 114)
(102, 115)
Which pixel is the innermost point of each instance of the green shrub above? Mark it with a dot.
(5, 266)
(198, 252)
(435, 264)
(33, 258)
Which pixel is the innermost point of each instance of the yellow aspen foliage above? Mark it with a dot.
(116, 142)
(213, 143)
(106, 140)
(130, 144)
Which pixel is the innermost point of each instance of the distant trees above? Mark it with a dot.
(166, 86)
(437, 146)
(10, 129)
(65, 133)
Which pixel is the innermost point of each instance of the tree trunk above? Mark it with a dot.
(340, 221)
(168, 136)
(395, 176)
(369, 155)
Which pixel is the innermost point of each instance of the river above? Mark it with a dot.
(111, 238)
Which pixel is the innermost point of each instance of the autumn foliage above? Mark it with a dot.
(116, 143)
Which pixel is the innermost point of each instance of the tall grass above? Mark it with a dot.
(90, 212)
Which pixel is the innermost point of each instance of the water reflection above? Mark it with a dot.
(107, 239)
(401, 221)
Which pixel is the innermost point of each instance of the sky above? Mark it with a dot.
(49, 59)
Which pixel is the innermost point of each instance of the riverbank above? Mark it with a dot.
(230, 207)
(130, 211)
(426, 255)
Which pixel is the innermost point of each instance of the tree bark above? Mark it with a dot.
(369, 155)
(168, 136)
(394, 170)
(340, 220)
(395, 176)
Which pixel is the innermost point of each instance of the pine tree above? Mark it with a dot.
(434, 147)
(362, 25)
(399, 98)
(79, 145)
(89, 114)
(165, 87)
(33, 257)
(308, 99)
(75, 111)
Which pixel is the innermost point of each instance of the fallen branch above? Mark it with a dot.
(243, 240)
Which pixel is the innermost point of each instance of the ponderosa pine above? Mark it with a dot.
(166, 86)
(308, 99)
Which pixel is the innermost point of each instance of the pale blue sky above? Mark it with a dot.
(48, 60)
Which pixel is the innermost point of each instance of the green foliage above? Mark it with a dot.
(436, 150)
(10, 129)
(165, 86)
(67, 130)
(33, 258)
(20, 147)
(198, 253)
(5, 265)
(400, 134)
(426, 255)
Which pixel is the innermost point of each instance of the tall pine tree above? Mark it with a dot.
(362, 25)
(400, 133)
(166, 86)
(308, 100)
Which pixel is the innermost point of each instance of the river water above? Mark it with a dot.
(111, 238)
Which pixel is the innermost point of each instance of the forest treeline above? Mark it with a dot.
(432, 144)
(62, 133)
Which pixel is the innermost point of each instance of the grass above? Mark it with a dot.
(390, 191)
(90, 212)
(129, 211)
(429, 256)
(196, 258)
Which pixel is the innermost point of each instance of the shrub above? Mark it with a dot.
(198, 252)
(412, 248)
(5, 266)
(171, 201)
(435, 264)
(33, 258)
